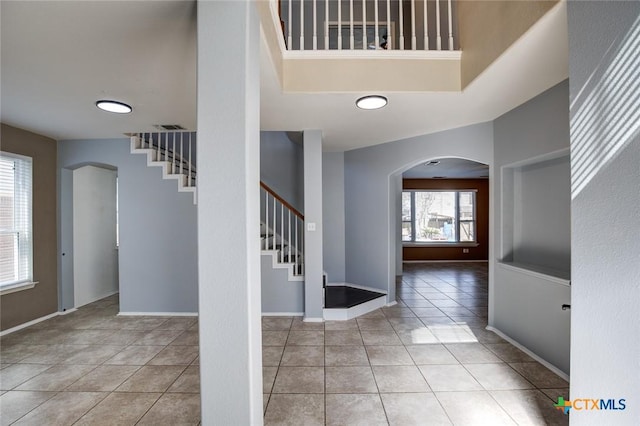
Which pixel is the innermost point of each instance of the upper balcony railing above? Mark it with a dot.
(425, 25)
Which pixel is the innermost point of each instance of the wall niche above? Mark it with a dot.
(536, 215)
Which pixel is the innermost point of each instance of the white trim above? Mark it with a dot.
(67, 311)
(445, 261)
(275, 16)
(181, 179)
(391, 304)
(564, 152)
(308, 319)
(16, 156)
(283, 314)
(377, 54)
(545, 274)
(28, 324)
(361, 287)
(158, 314)
(289, 266)
(526, 350)
(103, 296)
(12, 288)
(343, 314)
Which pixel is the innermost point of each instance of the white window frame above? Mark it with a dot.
(23, 224)
(458, 222)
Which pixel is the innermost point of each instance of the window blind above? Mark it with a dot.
(16, 246)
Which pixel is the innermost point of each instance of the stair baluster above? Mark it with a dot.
(281, 233)
(157, 147)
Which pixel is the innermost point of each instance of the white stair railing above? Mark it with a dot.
(282, 229)
(347, 24)
(282, 226)
(176, 149)
(174, 152)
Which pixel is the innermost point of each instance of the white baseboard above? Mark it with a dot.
(361, 287)
(158, 314)
(343, 314)
(28, 324)
(67, 311)
(98, 298)
(391, 304)
(308, 319)
(524, 349)
(282, 314)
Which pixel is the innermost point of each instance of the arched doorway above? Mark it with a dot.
(89, 234)
(444, 212)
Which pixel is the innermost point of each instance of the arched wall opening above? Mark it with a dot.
(396, 189)
(444, 209)
(373, 182)
(88, 234)
(157, 253)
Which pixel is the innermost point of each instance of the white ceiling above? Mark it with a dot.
(59, 57)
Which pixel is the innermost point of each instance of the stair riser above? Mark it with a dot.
(155, 159)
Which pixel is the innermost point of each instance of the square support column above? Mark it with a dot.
(313, 261)
(229, 212)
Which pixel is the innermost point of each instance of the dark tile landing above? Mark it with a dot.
(337, 297)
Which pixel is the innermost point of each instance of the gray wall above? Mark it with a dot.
(279, 295)
(229, 212)
(542, 214)
(398, 224)
(537, 128)
(605, 332)
(158, 251)
(314, 227)
(333, 215)
(370, 196)
(281, 167)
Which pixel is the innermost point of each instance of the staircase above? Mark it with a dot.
(282, 233)
(281, 225)
(174, 152)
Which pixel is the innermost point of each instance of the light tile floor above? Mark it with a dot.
(427, 360)
(91, 367)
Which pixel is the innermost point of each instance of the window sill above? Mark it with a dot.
(12, 288)
(440, 245)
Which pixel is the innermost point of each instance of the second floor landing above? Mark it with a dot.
(498, 55)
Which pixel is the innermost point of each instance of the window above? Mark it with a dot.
(439, 216)
(15, 220)
(370, 28)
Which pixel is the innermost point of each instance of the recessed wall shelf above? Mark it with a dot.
(536, 216)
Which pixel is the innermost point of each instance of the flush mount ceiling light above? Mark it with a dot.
(113, 106)
(371, 102)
